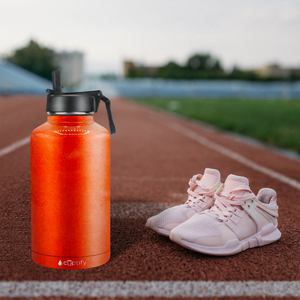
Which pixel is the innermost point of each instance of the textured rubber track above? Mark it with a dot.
(151, 163)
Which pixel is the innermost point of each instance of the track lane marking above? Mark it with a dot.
(182, 289)
(232, 154)
(14, 146)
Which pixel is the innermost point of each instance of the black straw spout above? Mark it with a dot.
(56, 82)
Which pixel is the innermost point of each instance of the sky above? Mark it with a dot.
(248, 33)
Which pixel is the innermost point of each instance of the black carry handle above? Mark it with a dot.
(99, 96)
(109, 114)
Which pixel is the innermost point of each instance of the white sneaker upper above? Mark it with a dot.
(200, 197)
(237, 221)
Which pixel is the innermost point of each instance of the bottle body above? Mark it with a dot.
(70, 193)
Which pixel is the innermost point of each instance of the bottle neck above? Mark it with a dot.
(70, 120)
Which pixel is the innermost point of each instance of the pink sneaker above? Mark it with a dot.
(201, 192)
(238, 220)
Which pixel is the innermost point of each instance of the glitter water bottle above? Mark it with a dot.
(70, 182)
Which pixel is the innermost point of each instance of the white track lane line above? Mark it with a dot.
(14, 146)
(182, 289)
(234, 155)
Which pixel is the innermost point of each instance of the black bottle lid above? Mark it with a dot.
(78, 103)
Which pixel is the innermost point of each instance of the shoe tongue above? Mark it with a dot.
(234, 181)
(209, 178)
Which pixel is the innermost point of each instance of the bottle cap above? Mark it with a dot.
(78, 103)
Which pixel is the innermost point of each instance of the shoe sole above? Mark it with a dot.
(151, 225)
(267, 235)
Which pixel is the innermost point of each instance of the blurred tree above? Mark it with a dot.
(170, 71)
(237, 73)
(198, 66)
(204, 61)
(203, 66)
(135, 73)
(35, 58)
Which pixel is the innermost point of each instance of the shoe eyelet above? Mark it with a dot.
(252, 201)
(248, 205)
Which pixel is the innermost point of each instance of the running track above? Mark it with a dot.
(153, 157)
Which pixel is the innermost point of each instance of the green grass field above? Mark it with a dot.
(276, 123)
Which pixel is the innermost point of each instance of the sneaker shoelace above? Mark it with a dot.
(228, 204)
(196, 198)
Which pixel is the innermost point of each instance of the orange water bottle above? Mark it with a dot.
(70, 182)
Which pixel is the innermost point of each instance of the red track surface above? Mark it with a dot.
(150, 163)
